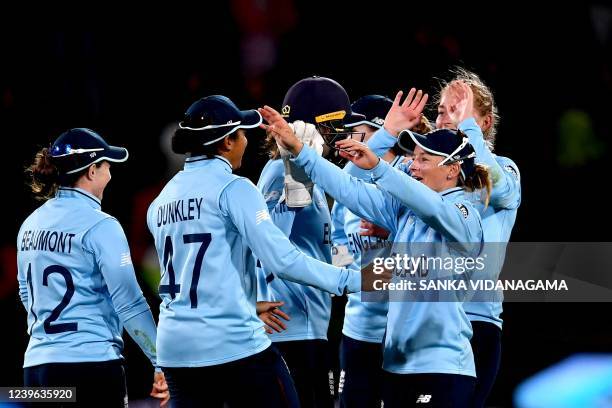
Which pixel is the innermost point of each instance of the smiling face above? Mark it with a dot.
(425, 169)
(443, 120)
(236, 148)
(95, 179)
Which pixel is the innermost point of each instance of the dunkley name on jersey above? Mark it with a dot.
(179, 210)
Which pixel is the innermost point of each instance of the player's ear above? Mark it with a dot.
(453, 171)
(226, 144)
(91, 171)
(487, 122)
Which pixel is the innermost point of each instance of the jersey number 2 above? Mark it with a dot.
(55, 313)
(172, 288)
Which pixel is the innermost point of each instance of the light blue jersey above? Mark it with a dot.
(77, 283)
(309, 230)
(421, 337)
(497, 219)
(364, 321)
(207, 224)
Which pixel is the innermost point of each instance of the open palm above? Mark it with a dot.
(280, 130)
(407, 114)
(461, 101)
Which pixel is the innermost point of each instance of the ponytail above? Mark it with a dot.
(46, 178)
(44, 175)
(480, 180)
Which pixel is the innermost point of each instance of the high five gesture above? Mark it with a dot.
(407, 114)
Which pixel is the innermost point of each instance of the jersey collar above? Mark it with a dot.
(73, 192)
(200, 161)
(450, 191)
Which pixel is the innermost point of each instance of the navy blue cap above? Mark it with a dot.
(452, 144)
(214, 117)
(79, 148)
(374, 108)
(318, 99)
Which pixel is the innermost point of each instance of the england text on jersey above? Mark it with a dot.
(359, 243)
(41, 240)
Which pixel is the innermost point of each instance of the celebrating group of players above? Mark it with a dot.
(245, 266)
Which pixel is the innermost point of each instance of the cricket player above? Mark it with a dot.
(427, 355)
(209, 225)
(76, 278)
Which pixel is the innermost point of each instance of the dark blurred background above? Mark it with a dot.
(131, 77)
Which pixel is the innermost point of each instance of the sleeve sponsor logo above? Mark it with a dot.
(512, 171)
(463, 209)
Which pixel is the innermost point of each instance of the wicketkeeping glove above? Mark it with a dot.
(298, 187)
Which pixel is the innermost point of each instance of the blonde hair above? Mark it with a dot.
(479, 180)
(484, 102)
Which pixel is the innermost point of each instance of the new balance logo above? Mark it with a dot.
(423, 399)
(261, 216)
(125, 259)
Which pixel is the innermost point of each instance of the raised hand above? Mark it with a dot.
(269, 313)
(280, 130)
(460, 99)
(358, 153)
(407, 114)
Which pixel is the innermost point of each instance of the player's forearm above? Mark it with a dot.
(287, 262)
(413, 194)
(126, 296)
(246, 208)
(426, 203)
(332, 279)
(359, 197)
(483, 154)
(504, 193)
(141, 328)
(381, 141)
(337, 227)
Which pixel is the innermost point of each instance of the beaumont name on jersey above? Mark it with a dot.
(47, 240)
